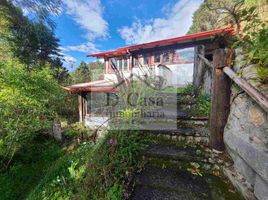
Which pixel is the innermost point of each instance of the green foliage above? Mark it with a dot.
(65, 174)
(254, 43)
(40, 9)
(29, 167)
(32, 43)
(77, 130)
(92, 171)
(263, 74)
(28, 101)
(188, 89)
(116, 158)
(115, 192)
(97, 70)
(202, 105)
(82, 74)
(204, 19)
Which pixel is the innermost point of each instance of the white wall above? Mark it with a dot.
(180, 74)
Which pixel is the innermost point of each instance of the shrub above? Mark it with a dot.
(93, 171)
(28, 102)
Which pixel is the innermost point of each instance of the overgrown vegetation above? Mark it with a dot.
(33, 165)
(29, 166)
(202, 105)
(98, 171)
(28, 105)
(249, 18)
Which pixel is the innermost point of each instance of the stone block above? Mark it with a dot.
(261, 189)
(254, 155)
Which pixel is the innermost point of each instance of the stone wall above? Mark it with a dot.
(246, 136)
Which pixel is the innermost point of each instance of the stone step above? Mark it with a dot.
(146, 193)
(169, 183)
(179, 131)
(171, 151)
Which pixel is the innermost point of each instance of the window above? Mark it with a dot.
(166, 57)
(135, 59)
(157, 58)
(125, 64)
(145, 60)
(120, 64)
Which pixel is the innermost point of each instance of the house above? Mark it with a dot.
(169, 59)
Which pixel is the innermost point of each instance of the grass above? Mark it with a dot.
(28, 168)
(47, 170)
(187, 89)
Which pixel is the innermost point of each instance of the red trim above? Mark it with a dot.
(78, 90)
(200, 35)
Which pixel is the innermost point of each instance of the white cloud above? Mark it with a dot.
(88, 47)
(88, 14)
(69, 61)
(176, 22)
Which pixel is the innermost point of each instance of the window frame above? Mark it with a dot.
(157, 55)
(145, 60)
(125, 64)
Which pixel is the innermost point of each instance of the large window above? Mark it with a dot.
(145, 60)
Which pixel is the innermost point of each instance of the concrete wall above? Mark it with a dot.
(246, 134)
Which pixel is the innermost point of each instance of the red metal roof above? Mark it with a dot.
(181, 39)
(94, 86)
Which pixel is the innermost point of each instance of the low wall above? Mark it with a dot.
(246, 135)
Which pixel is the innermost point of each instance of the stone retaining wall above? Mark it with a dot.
(246, 136)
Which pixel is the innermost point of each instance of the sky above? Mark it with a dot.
(91, 26)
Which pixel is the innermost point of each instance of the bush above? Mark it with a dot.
(93, 171)
(114, 161)
(28, 101)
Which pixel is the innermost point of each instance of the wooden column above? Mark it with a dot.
(220, 100)
(82, 106)
(199, 68)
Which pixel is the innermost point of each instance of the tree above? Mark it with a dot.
(97, 70)
(81, 74)
(204, 19)
(33, 43)
(59, 72)
(28, 104)
(40, 9)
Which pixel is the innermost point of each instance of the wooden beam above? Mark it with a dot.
(82, 103)
(199, 69)
(248, 88)
(208, 63)
(80, 108)
(220, 100)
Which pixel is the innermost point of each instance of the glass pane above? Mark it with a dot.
(145, 60)
(157, 58)
(125, 64)
(166, 57)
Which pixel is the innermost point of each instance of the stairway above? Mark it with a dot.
(176, 168)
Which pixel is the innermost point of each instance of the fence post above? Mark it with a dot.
(220, 100)
(198, 68)
(82, 103)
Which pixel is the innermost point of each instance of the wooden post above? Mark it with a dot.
(220, 100)
(198, 68)
(82, 106)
